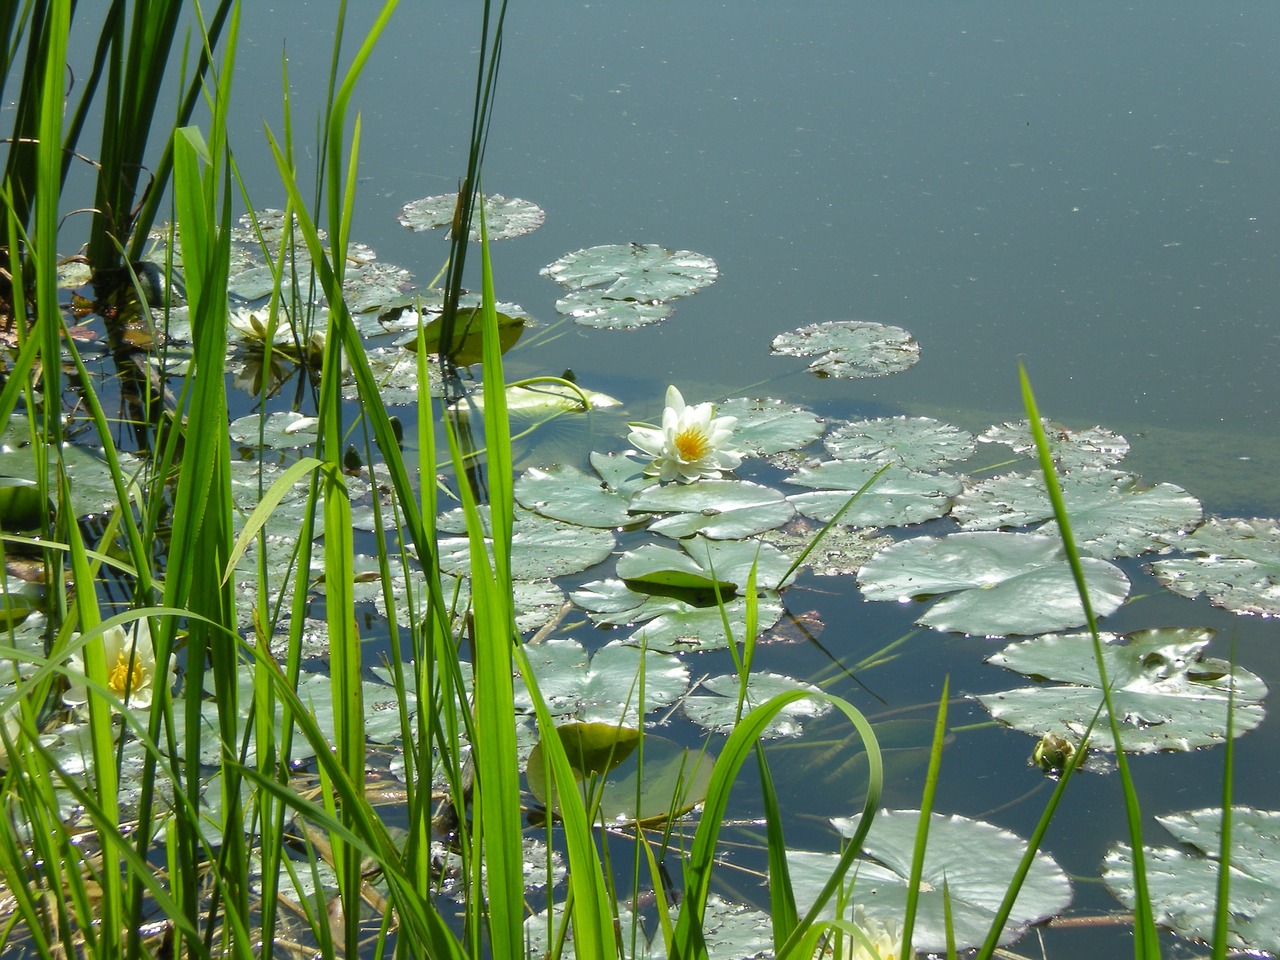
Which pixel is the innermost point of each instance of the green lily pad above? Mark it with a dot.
(283, 430)
(503, 217)
(540, 549)
(975, 861)
(1238, 566)
(604, 688)
(1181, 880)
(840, 553)
(1167, 695)
(720, 509)
(719, 713)
(467, 336)
(396, 372)
(644, 272)
(619, 472)
(1000, 583)
(1112, 513)
(1071, 449)
(768, 426)
(549, 399)
(901, 496)
(568, 494)
(733, 560)
(662, 566)
(702, 628)
(370, 284)
(21, 505)
(594, 308)
(918, 443)
(850, 348)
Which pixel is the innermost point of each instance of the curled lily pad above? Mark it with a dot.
(999, 583)
(1112, 513)
(1167, 695)
(915, 442)
(466, 339)
(1237, 567)
(972, 861)
(1178, 877)
(850, 348)
(612, 602)
(503, 217)
(1071, 449)
(770, 426)
(720, 509)
(900, 496)
(719, 713)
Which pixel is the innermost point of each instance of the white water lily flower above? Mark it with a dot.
(131, 667)
(692, 442)
(885, 938)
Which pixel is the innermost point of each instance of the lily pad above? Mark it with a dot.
(1167, 695)
(719, 713)
(841, 552)
(720, 509)
(1238, 566)
(768, 426)
(975, 861)
(915, 442)
(1071, 449)
(566, 493)
(283, 430)
(503, 217)
(1000, 583)
(702, 628)
(539, 549)
(396, 371)
(644, 272)
(901, 496)
(1181, 879)
(613, 603)
(1112, 513)
(604, 688)
(850, 348)
(466, 339)
(593, 308)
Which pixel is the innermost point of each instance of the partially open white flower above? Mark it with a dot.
(131, 667)
(692, 442)
(885, 938)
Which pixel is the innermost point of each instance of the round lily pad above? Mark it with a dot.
(283, 430)
(919, 443)
(1091, 447)
(999, 583)
(900, 496)
(503, 217)
(850, 348)
(1167, 694)
(566, 493)
(720, 509)
(1237, 567)
(768, 426)
(645, 272)
(539, 549)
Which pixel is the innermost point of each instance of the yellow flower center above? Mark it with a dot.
(121, 679)
(691, 444)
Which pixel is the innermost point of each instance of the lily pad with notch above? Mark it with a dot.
(999, 584)
(850, 348)
(767, 426)
(974, 861)
(1178, 877)
(540, 548)
(720, 509)
(1167, 694)
(563, 492)
(702, 628)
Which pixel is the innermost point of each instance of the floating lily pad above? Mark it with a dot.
(1238, 566)
(770, 426)
(603, 688)
(627, 284)
(550, 399)
(540, 549)
(1112, 513)
(719, 713)
(593, 308)
(1071, 449)
(466, 339)
(1181, 880)
(733, 560)
(613, 603)
(974, 860)
(374, 285)
(702, 628)
(661, 566)
(1000, 583)
(396, 371)
(503, 217)
(915, 442)
(850, 348)
(566, 493)
(720, 509)
(283, 430)
(1167, 695)
(899, 497)
(841, 552)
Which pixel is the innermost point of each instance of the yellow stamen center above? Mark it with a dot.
(121, 679)
(691, 444)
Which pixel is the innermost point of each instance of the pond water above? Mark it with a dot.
(1089, 190)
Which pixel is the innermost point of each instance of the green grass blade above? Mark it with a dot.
(926, 809)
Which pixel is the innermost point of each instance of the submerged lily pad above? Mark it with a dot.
(719, 713)
(999, 583)
(1071, 449)
(850, 348)
(1112, 513)
(720, 509)
(901, 496)
(503, 217)
(1180, 880)
(973, 860)
(1167, 695)
(1238, 566)
(770, 426)
(915, 442)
